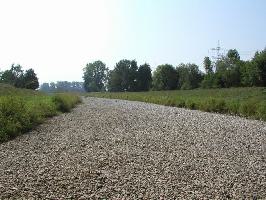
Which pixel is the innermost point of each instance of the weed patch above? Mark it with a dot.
(22, 111)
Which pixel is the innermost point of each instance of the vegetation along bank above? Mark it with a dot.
(23, 109)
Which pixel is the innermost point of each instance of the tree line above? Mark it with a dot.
(62, 86)
(228, 71)
(19, 78)
(231, 71)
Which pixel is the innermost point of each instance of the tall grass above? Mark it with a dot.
(247, 102)
(21, 110)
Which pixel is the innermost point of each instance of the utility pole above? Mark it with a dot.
(217, 55)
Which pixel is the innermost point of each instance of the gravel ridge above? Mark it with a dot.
(117, 149)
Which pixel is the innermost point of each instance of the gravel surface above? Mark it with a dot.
(115, 149)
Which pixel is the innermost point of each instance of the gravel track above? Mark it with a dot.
(115, 149)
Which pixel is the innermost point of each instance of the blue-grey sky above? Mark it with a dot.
(58, 37)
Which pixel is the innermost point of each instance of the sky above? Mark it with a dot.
(58, 37)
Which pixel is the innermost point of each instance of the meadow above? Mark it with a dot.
(22, 109)
(247, 102)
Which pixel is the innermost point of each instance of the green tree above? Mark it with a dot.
(30, 80)
(207, 65)
(144, 77)
(133, 74)
(14, 76)
(209, 81)
(189, 75)
(165, 77)
(260, 60)
(250, 74)
(124, 76)
(233, 55)
(228, 73)
(95, 76)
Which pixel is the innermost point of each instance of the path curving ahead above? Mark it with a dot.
(115, 149)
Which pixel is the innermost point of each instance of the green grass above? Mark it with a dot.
(247, 102)
(21, 109)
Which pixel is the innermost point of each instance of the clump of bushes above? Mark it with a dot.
(19, 114)
(214, 105)
(64, 102)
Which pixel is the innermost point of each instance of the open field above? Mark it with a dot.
(21, 109)
(248, 102)
(116, 149)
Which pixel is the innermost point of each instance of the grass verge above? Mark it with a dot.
(21, 110)
(247, 102)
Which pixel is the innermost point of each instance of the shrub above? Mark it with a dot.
(213, 105)
(19, 114)
(248, 108)
(261, 111)
(14, 117)
(233, 107)
(64, 102)
(190, 104)
(180, 103)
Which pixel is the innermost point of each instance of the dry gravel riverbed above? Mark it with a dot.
(115, 149)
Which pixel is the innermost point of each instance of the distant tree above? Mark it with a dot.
(6, 77)
(95, 76)
(260, 60)
(30, 80)
(165, 77)
(45, 87)
(250, 74)
(53, 86)
(114, 81)
(77, 86)
(228, 72)
(209, 81)
(124, 76)
(208, 65)
(133, 74)
(189, 75)
(14, 76)
(144, 77)
(63, 86)
(17, 76)
(233, 55)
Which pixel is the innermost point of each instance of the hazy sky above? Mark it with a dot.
(58, 37)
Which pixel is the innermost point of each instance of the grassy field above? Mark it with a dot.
(248, 102)
(21, 109)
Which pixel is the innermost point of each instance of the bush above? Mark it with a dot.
(180, 103)
(233, 107)
(261, 111)
(190, 104)
(64, 102)
(213, 105)
(19, 114)
(248, 108)
(14, 117)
